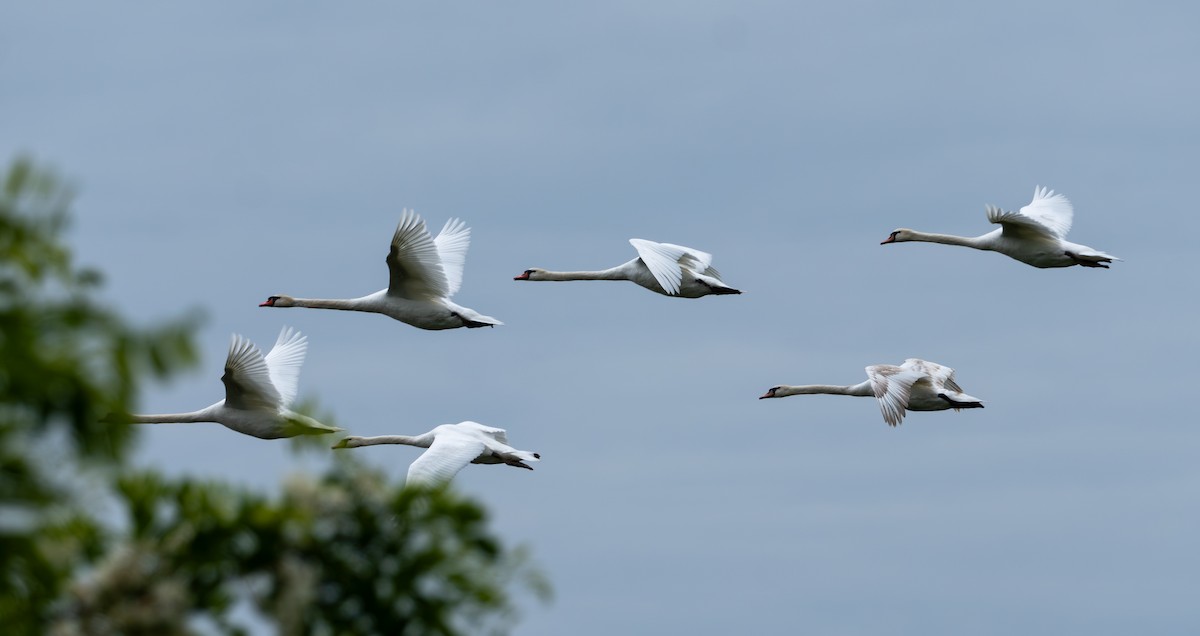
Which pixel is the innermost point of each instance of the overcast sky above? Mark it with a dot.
(226, 152)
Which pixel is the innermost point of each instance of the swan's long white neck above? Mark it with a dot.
(862, 389)
(418, 440)
(203, 415)
(614, 273)
(976, 242)
(348, 304)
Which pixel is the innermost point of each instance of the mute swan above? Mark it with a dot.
(1035, 235)
(425, 273)
(451, 447)
(258, 391)
(671, 270)
(916, 385)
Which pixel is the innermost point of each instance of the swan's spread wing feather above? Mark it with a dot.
(1049, 215)
(939, 375)
(665, 261)
(284, 362)
(414, 263)
(452, 243)
(1051, 210)
(692, 258)
(498, 434)
(695, 260)
(247, 378)
(662, 261)
(891, 385)
(447, 455)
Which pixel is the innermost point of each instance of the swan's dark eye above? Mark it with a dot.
(528, 271)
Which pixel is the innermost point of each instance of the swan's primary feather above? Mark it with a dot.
(666, 262)
(941, 375)
(284, 362)
(498, 434)
(452, 243)
(414, 262)
(1049, 215)
(892, 385)
(247, 378)
(448, 454)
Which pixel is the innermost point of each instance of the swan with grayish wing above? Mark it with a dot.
(916, 385)
(450, 448)
(670, 270)
(1035, 235)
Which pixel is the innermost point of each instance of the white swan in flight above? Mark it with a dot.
(451, 447)
(258, 391)
(425, 273)
(916, 385)
(671, 270)
(1035, 235)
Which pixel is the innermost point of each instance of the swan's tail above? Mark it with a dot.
(961, 400)
(1092, 258)
(472, 319)
(716, 285)
(298, 424)
(519, 457)
(479, 320)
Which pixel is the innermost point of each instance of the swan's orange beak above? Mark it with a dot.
(522, 276)
(890, 239)
(769, 394)
(270, 302)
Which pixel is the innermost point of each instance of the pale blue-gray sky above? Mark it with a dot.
(226, 152)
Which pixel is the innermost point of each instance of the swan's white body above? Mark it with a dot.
(916, 385)
(424, 273)
(258, 391)
(1035, 235)
(670, 270)
(451, 447)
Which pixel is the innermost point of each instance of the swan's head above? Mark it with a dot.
(349, 442)
(530, 274)
(770, 393)
(898, 236)
(277, 301)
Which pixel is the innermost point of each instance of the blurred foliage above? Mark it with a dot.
(66, 361)
(348, 553)
(345, 554)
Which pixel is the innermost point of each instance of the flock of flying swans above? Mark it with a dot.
(425, 271)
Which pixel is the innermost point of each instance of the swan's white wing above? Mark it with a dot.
(891, 385)
(1049, 215)
(247, 378)
(695, 260)
(498, 434)
(452, 243)
(414, 262)
(940, 375)
(1051, 210)
(284, 362)
(692, 258)
(663, 260)
(447, 455)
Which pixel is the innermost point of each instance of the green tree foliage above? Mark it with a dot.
(66, 360)
(346, 553)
